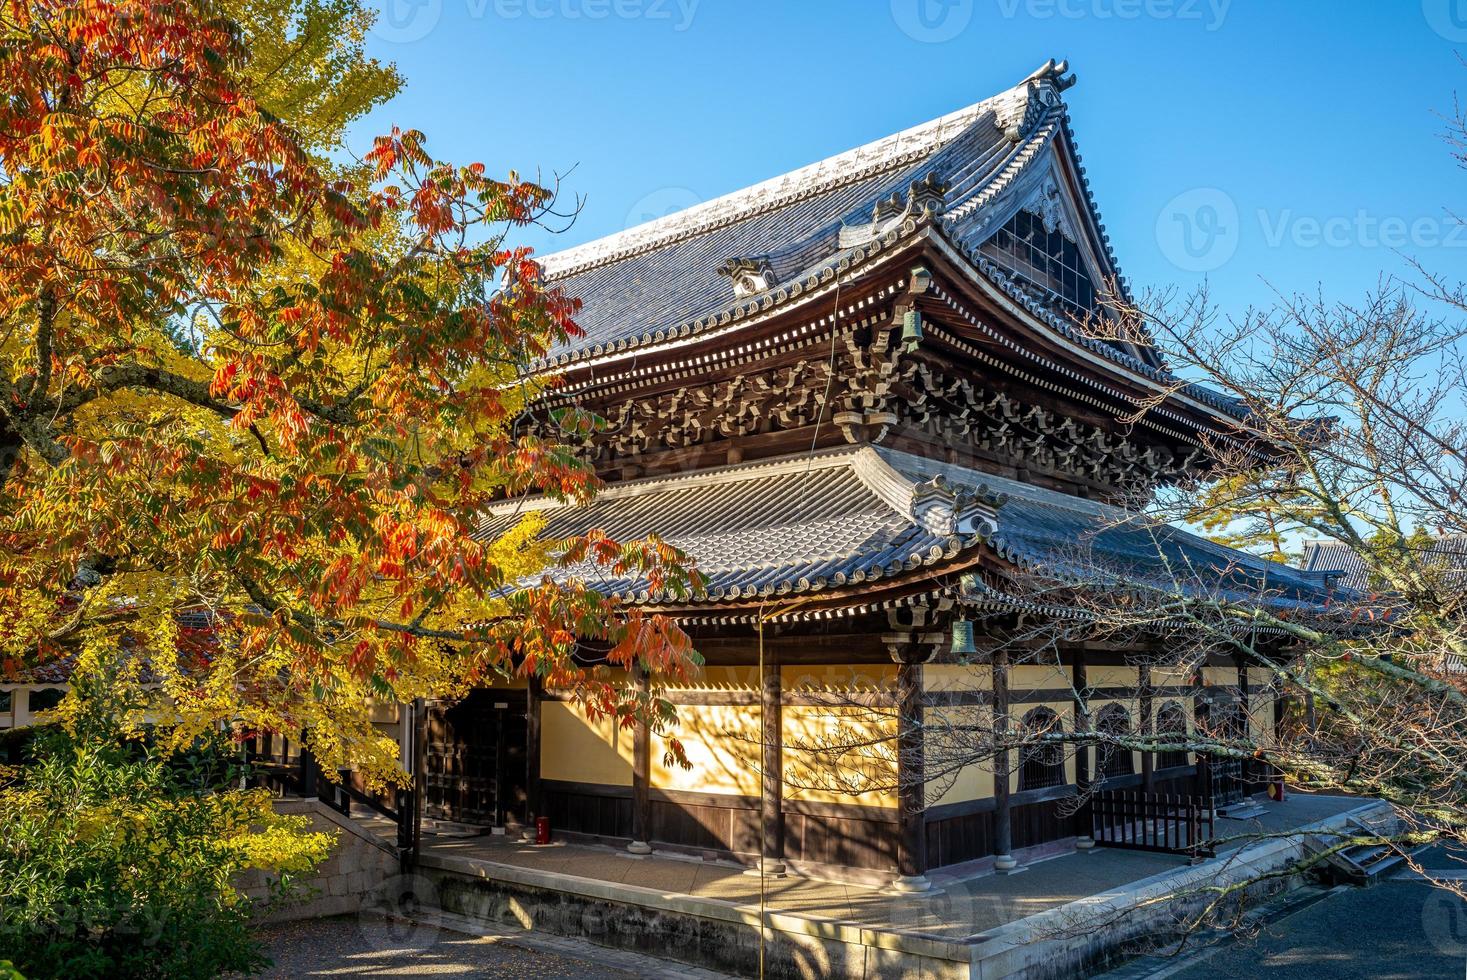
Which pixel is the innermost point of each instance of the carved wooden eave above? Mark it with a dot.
(1060, 408)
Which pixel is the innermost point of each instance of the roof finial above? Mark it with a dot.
(1053, 72)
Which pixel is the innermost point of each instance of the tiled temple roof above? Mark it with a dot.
(1449, 552)
(806, 525)
(777, 528)
(668, 279)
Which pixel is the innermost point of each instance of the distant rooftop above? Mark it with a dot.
(1336, 556)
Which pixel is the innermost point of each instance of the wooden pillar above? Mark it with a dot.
(772, 781)
(910, 646)
(1246, 721)
(1079, 681)
(1003, 833)
(420, 778)
(1148, 759)
(911, 787)
(641, 777)
(534, 807)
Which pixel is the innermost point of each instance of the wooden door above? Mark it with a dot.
(476, 759)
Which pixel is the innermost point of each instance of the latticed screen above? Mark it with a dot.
(1044, 259)
(1114, 761)
(1041, 766)
(1171, 722)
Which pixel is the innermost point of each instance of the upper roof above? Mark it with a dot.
(853, 516)
(975, 167)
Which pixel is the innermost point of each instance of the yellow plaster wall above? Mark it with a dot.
(944, 747)
(721, 742)
(1028, 677)
(577, 750)
(838, 678)
(823, 764)
(1220, 676)
(1113, 676)
(956, 677)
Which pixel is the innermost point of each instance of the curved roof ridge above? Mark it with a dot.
(851, 165)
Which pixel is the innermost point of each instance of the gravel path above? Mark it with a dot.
(369, 947)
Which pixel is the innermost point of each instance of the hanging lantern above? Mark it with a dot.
(911, 329)
(963, 647)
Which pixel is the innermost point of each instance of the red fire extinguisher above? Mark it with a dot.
(542, 830)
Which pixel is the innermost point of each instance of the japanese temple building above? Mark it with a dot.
(857, 393)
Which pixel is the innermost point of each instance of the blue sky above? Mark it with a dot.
(1256, 143)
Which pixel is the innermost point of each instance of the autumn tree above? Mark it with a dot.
(252, 408)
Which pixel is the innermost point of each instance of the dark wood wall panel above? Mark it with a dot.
(852, 842)
(953, 840)
(968, 836)
(1040, 823)
(584, 812)
(857, 837)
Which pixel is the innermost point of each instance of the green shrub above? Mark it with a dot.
(118, 862)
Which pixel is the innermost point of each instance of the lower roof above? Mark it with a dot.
(843, 520)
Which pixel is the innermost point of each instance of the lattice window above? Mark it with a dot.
(1046, 260)
(1041, 766)
(1114, 721)
(1171, 722)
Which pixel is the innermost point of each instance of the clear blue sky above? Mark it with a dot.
(1319, 122)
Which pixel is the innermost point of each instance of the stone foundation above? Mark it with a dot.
(359, 865)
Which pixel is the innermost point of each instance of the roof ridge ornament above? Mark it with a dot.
(1037, 94)
(949, 508)
(751, 275)
(925, 199)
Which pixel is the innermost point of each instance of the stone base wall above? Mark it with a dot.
(358, 866)
(1068, 941)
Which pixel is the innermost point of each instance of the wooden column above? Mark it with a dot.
(1079, 680)
(534, 805)
(1003, 833)
(910, 646)
(1244, 705)
(772, 781)
(911, 788)
(641, 777)
(1148, 759)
